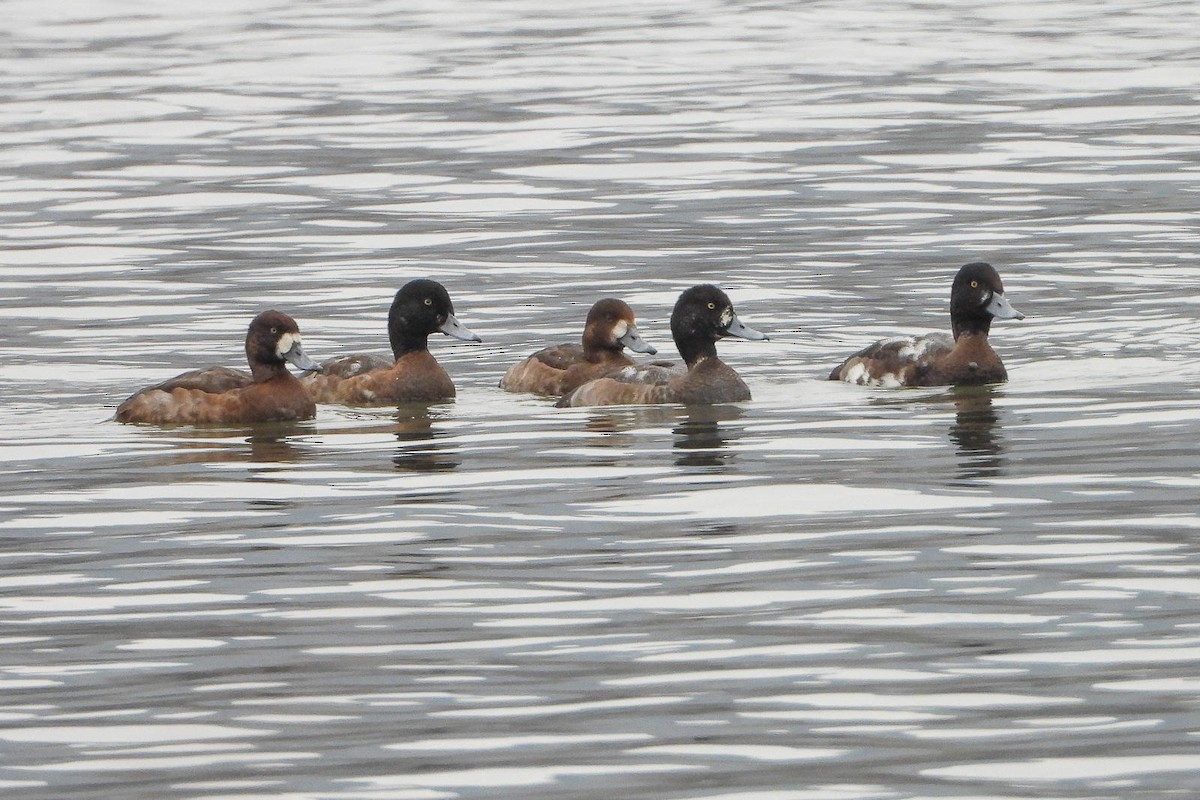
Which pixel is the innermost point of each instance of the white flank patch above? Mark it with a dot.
(914, 348)
(919, 347)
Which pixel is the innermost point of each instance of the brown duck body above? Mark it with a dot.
(193, 399)
(702, 315)
(413, 375)
(554, 371)
(709, 381)
(557, 370)
(932, 360)
(268, 393)
(938, 359)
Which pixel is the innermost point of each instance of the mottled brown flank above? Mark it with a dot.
(976, 297)
(708, 382)
(350, 366)
(970, 361)
(194, 398)
(213, 379)
(414, 377)
(557, 370)
(268, 393)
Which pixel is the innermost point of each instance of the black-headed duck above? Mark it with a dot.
(702, 315)
(420, 308)
(554, 371)
(267, 393)
(938, 359)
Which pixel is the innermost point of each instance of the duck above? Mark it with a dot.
(702, 315)
(267, 393)
(553, 371)
(421, 307)
(963, 357)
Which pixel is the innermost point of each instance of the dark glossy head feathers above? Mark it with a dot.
(702, 315)
(420, 308)
(976, 298)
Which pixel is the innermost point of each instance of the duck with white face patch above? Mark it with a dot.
(267, 393)
(702, 315)
(552, 371)
(962, 358)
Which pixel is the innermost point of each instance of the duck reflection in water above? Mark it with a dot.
(419, 450)
(699, 438)
(276, 447)
(700, 441)
(612, 427)
(976, 432)
(269, 443)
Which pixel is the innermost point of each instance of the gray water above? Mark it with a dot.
(828, 593)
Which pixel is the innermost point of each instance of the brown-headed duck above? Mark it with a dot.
(554, 371)
(702, 315)
(268, 393)
(420, 308)
(937, 359)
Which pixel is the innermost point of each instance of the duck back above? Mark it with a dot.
(415, 377)
(200, 398)
(557, 370)
(708, 382)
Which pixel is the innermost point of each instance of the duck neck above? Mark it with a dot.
(265, 371)
(970, 325)
(404, 342)
(597, 347)
(693, 351)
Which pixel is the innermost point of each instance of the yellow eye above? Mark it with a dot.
(974, 284)
(428, 301)
(712, 305)
(274, 330)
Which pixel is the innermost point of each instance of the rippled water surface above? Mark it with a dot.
(828, 593)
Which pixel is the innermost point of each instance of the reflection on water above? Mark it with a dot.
(278, 447)
(700, 435)
(829, 592)
(266, 443)
(702, 440)
(420, 449)
(616, 428)
(977, 433)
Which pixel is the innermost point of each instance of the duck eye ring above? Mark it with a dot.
(428, 301)
(712, 305)
(274, 330)
(974, 284)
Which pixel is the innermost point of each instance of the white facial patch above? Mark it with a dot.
(286, 343)
(726, 317)
(620, 329)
